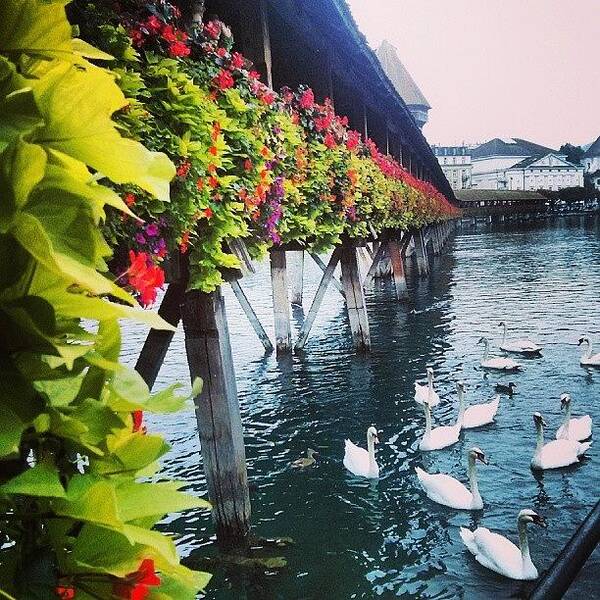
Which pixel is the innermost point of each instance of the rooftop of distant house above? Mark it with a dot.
(594, 150)
(510, 147)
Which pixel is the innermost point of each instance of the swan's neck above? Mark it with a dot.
(427, 419)
(524, 542)
(540, 437)
(587, 349)
(486, 348)
(473, 480)
(429, 386)
(503, 333)
(462, 407)
(567, 420)
(371, 448)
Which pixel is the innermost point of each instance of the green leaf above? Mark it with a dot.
(11, 429)
(41, 480)
(59, 392)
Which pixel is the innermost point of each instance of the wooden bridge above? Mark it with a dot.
(314, 42)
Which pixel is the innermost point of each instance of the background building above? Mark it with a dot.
(591, 163)
(456, 165)
(403, 82)
(517, 164)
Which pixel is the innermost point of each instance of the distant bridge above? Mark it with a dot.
(485, 203)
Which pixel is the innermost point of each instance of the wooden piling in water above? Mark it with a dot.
(209, 356)
(397, 260)
(421, 253)
(297, 277)
(355, 299)
(281, 304)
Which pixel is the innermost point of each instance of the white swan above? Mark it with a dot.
(499, 554)
(448, 491)
(362, 462)
(576, 430)
(477, 415)
(518, 346)
(440, 437)
(497, 363)
(587, 358)
(557, 453)
(426, 392)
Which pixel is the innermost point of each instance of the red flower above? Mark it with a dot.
(353, 140)
(137, 37)
(264, 151)
(65, 593)
(237, 60)
(213, 182)
(247, 165)
(169, 34)
(183, 169)
(307, 100)
(221, 52)
(144, 277)
(268, 98)
(216, 130)
(178, 49)
(135, 585)
(254, 75)
(153, 24)
(329, 141)
(224, 80)
(322, 123)
(138, 420)
(212, 29)
(185, 242)
(200, 183)
(213, 150)
(129, 199)
(208, 213)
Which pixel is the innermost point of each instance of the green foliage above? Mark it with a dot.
(73, 510)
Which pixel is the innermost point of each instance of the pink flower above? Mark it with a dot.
(307, 100)
(212, 29)
(224, 80)
(237, 60)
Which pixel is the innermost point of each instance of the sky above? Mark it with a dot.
(497, 68)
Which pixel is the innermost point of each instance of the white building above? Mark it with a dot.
(591, 163)
(456, 165)
(517, 164)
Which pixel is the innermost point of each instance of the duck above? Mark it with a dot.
(426, 392)
(576, 430)
(587, 358)
(438, 437)
(477, 415)
(518, 346)
(306, 461)
(508, 389)
(499, 554)
(448, 491)
(361, 462)
(497, 363)
(557, 453)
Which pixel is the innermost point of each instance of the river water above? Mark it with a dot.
(359, 539)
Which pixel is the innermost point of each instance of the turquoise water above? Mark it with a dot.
(360, 539)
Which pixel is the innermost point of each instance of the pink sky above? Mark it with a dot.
(497, 68)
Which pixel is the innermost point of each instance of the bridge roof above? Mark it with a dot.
(479, 195)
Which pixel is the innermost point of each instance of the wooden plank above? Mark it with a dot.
(254, 37)
(318, 299)
(281, 305)
(355, 299)
(395, 251)
(157, 342)
(373, 270)
(336, 283)
(421, 253)
(297, 278)
(209, 357)
(251, 315)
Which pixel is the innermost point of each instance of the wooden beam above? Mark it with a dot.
(281, 305)
(421, 253)
(336, 283)
(254, 37)
(297, 277)
(355, 299)
(318, 299)
(395, 251)
(209, 357)
(251, 315)
(373, 269)
(157, 342)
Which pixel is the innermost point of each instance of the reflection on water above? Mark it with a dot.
(359, 539)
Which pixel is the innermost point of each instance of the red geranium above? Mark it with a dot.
(307, 100)
(178, 49)
(153, 24)
(144, 276)
(237, 60)
(129, 199)
(135, 585)
(268, 98)
(212, 29)
(254, 75)
(329, 141)
(224, 80)
(353, 140)
(208, 213)
(183, 169)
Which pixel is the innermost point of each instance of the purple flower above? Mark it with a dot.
(139, 238)
(152, 230)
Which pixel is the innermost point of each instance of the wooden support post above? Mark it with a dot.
(421, 253)
(252, 317)
(318, 299)
(355, 299)
(209, 356)
(374, 268)
(297, 277)
(254, 37)
(281, 305)
(336, 283)
(398, 269)
(157, 343)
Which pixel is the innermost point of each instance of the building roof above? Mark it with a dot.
(451, 150)
(526, 162)
(481, 195)
(510, 147)
(399, 76)
(593, 150)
